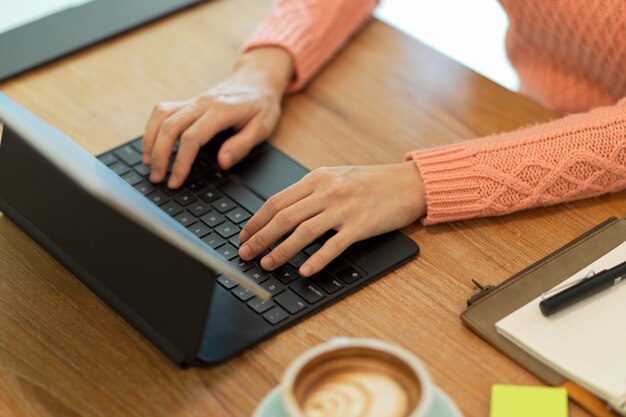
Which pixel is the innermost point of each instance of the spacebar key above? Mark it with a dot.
(241, 195)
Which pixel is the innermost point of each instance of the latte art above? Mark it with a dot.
(358, 394)
(357, 385)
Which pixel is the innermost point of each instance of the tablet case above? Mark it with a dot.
(491, 304)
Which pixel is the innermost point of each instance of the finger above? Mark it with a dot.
(159, 114)
(304, 234)
(239, 145)
(280, 225)
(196, 135)
(273, 205)
(169, 131)
(329, 251)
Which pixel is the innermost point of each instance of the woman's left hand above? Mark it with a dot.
(356, 201)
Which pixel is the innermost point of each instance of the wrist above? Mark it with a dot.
(417, 193)
(271, 67)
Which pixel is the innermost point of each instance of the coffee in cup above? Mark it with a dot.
(356, 378)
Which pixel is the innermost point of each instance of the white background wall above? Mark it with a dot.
(469, 31)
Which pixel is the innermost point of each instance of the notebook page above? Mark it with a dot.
(585, 342)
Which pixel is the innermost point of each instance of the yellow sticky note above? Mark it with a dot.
(521, 401)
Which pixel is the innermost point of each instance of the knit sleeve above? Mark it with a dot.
(312, 31)
(579, 156)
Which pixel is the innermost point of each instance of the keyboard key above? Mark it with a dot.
(275, 315)
(327, 282)
(172, 208)
(241, 265)
(195, 184)
(298, 259)
(335, 265)
(290, 302)
(348, 274)
(285, 274)
(119, 168)
(273, 286)
(129, 155)
(210, 195)
(242, 293)
(227, 229)
(158, 197)
(132, 178)
(312, 248)
(259, 305)
(199, 165)
(185, 198)
(227, 251)
(137, 145)
(145, 187)
(143, 170)
(235, 241)
(305, 288)
(199, 229)
(199, 208)
(238, 215)
(108, 158)
(185, 218)
(167, 190)
(257, 274)
(212, 219)
(224, 204)
(213, 176)
(226, 282)
(213, 240)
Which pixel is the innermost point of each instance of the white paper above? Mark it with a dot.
(16, 13)
(585, 342)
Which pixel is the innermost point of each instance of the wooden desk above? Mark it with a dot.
(63, 352)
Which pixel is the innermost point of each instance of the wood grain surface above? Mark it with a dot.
(63, 352)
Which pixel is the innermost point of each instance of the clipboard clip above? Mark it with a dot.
(563, 287)
(479, 292)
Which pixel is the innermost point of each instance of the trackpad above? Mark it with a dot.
(269, 171)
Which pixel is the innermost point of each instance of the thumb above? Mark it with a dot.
(235, 148)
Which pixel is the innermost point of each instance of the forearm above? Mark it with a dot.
(579, 156)
(312, 31)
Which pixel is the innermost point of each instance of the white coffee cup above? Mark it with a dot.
(357, 377)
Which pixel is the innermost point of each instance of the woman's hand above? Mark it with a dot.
(248, 101)
(358, 202)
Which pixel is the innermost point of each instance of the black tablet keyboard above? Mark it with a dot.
(214, 206)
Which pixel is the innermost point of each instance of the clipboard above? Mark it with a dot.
(490, 304)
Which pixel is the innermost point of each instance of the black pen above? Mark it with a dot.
(583, 289)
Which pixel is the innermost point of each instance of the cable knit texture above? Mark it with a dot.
(571, 57)
(311, 30)
(570, 54)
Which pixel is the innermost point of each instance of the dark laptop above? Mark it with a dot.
(167, 260)
(69, 30)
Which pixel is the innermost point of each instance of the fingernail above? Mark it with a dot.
(244, 236)
(228, 159)
(267, 262)
(154, 176)
(305, 270)
(173, 181)
(245, 252)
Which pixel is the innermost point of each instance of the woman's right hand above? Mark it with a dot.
(248, 101)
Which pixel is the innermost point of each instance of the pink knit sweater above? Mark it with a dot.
(571, 57)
